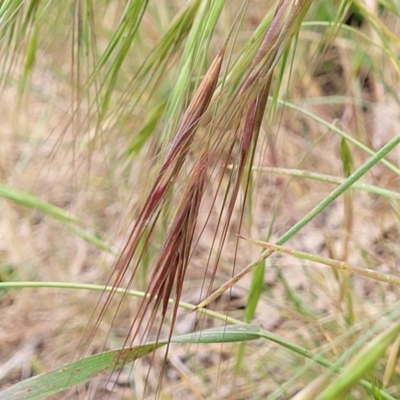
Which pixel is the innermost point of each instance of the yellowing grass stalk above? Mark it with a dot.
(339, 265)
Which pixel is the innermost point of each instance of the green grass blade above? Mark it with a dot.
(354, 177)
(363, 362)
(333, 367)
(338, 131)
(109, 289)
(238, 332)
(347, 158)
(68, 220)
(30, 58)
(127, 31)
(72, 374)
(32, 202)
(81, 371)
(224, 334)
(145, 131)
(194, 55)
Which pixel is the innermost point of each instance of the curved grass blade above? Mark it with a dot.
(68, 220)
(81, 371)
(113, 289)
(26, 200)
(239, 331)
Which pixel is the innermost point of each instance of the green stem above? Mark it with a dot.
(354, 177)
(109, 289)
(341, 133)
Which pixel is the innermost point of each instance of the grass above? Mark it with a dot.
(149, 150)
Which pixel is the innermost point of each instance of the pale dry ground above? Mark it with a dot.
(41, 328)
